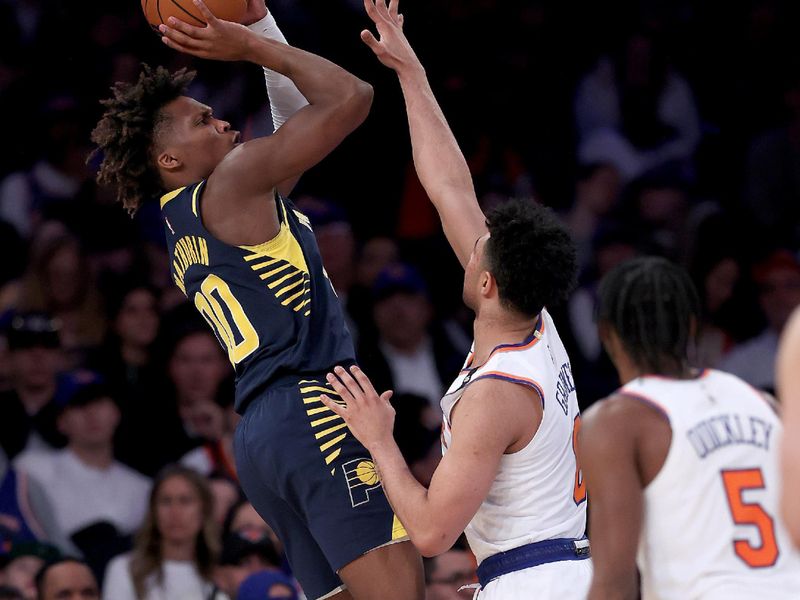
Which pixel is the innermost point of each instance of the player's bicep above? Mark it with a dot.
(608, 460)
(485, 423)
(260, 165)
(463, 478)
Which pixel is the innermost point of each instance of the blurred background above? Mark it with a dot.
(655, 127)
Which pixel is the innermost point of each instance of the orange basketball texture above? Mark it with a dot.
(158, 11)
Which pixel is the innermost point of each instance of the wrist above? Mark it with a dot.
(412, 72)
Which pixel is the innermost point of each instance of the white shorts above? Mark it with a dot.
(565, 580)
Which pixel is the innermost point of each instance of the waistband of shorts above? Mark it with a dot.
(532, 555)
(288, 380)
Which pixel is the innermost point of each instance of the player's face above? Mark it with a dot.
(195, 138)
(472, 273)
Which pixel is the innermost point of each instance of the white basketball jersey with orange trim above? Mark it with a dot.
(711, 523)
(538, 493)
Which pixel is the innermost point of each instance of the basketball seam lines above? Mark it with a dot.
(175, 2)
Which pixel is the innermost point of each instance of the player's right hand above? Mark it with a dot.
(218, 40)
(392, 49)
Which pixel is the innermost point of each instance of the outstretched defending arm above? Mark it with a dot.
(439, 162)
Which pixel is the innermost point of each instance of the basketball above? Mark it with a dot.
(158, 11)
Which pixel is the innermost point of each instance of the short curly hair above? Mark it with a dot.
(530, 255)
(126, 133)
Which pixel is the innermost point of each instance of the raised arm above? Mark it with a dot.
(338, 103)
(284, 97)
(439, 162)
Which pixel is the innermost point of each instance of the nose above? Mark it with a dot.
(222, 126)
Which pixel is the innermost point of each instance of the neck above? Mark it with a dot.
(628, 371)
(99, 457)
(134, 355)
(34, 398)
(180, 551)
(493, 328)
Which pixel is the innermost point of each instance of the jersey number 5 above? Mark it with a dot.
(746, 513)
(213, 295)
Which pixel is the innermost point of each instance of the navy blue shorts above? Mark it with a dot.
(312, 482)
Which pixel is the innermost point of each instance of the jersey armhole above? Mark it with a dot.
(523, 381)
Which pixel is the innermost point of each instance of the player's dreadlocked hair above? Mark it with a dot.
(531, 256)
(651, 304)
(127, 130)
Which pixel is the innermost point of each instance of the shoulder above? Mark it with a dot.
(118, 571)
(39, 465)
(130, 476)
(499, 409)
(620, 416)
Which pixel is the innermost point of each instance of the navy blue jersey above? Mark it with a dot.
(271, 306)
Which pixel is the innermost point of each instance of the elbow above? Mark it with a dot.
(433, 543)
(357, 101)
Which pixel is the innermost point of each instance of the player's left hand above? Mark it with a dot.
(369, 416)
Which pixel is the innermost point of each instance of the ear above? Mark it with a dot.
(488, 284)
(609, 339)
(167, 161)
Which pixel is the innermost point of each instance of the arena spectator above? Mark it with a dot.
(28, 411)
(778, 281)
(67, 578)
(410, 355)
(84, 484)
(19, 567)
(175, 549)
(447, 573)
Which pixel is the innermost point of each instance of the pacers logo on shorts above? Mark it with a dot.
(362, 477)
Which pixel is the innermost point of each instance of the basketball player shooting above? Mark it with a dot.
(681, 465)
(509, 474)
(249, 262)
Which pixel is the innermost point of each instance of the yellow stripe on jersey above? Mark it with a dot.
(194, 197)
(170, 195)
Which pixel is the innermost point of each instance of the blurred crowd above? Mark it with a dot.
(668, 128)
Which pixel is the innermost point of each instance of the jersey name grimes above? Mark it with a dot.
(727, 430)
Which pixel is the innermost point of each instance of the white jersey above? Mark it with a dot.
(711, 523)
(538, 493)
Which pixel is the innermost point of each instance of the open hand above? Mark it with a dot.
(370, 417)
(218, 40)
(392, 49)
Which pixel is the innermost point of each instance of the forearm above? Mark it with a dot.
(437, 156)
(321, 82)
(440, 164)
(408, 497)
(284, 97)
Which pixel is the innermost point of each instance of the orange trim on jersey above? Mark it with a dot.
(513, 379)
(529, 342)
